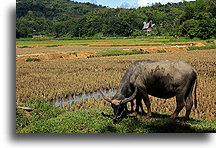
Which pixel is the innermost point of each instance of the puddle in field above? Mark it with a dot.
(95, 95)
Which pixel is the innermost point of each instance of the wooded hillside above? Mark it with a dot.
(68, 19)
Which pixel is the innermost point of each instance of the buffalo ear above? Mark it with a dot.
(105, 97)
(131, 97)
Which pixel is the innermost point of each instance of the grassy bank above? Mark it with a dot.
(48, 119)
(203, 47)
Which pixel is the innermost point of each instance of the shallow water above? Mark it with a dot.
(95, 95)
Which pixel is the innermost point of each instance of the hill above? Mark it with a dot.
(69, 19)
(53, 9)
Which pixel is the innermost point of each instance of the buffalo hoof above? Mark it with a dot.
(172, 119)
(173, 116)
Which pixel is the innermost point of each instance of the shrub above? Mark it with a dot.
(23, 46)
(138, 33)
(98, 35)
(161, 51)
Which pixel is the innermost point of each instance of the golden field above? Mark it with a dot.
(54, 79)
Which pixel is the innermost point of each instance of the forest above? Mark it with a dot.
(68, 19)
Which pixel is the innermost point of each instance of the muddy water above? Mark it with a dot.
(95, 95)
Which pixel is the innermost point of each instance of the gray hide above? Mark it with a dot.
(159, 78)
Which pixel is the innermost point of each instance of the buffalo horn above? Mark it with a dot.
(131, 97)
(105, 97)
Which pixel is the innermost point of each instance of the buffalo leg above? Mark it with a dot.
(179, 106)
(189, 100)
(148, 105)
(139, 105)
(134, 113)
(189, 105)
(144, 96)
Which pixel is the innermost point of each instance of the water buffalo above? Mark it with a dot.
(159, 78)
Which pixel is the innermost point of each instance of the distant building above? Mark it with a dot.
(148, 27)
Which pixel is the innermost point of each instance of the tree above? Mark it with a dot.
(198, 21)
(23, 28)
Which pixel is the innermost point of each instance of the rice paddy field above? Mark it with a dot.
(69, 74)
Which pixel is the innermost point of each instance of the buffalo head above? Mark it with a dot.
(118, 103)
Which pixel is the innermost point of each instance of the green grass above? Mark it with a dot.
(106, 41)
(48, 119)
(40, 113)
(119, 52)
(53, 45)
(183, 39)
(92, 43)
(144, 41)
(202, 48)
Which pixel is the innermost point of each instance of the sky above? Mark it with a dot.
(128, 3)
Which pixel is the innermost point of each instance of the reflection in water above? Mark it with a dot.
(95, 95)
